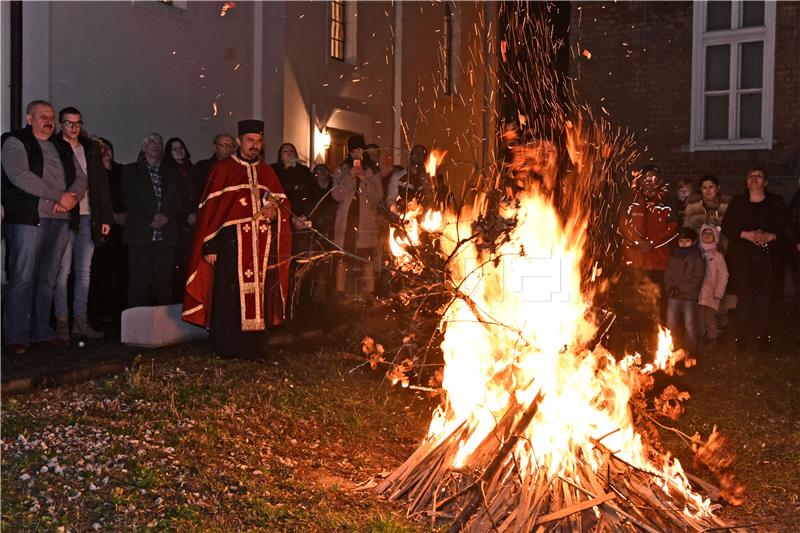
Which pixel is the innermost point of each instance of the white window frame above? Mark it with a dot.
(351, 32)
(733, 37)
(343, 24)
(447, 49)
(350, 29)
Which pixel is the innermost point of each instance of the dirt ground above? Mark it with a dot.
(189, 441)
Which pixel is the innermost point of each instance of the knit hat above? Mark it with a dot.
(715, 231)
(355, 142)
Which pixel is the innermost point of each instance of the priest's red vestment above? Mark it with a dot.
(234, 196)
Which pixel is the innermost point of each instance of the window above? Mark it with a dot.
(337, 30)
(447, 50)
(732, 75)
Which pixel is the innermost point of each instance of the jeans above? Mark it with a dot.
(683, 311)
(34, 254)
(78, 259)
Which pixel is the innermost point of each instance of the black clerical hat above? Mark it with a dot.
(251, 126)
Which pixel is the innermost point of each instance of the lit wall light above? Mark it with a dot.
(322, 141)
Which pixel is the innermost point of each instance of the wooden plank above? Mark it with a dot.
(575, 508)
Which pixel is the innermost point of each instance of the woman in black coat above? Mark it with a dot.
(754, 224)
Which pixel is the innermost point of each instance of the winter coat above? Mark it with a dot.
(651, 222)
(138, 195)
(98, 187)
(368, 197)
(300, 187)
(20, 207)
(699, 212)
(742, 215)
(716, 278)
(684, 274)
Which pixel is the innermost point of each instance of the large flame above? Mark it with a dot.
(521, 328)
(435, 159)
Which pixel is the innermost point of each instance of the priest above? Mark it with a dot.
(239, 263)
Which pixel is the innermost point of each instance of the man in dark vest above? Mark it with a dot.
(41, 185)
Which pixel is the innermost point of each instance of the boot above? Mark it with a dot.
(62, 328)
(82, 329)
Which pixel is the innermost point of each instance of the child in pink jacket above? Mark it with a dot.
(714, 284)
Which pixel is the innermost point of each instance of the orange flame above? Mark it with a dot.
(434, 161)
(532, 286)
(413, 223)
(227, 6)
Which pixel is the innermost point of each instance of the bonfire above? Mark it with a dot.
(536, 428)
(540, 426)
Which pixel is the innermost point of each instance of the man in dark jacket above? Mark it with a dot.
(94, 223)
(40, 187)
(150, 193)
(224, 146)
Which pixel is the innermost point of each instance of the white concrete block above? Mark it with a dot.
(156, 326)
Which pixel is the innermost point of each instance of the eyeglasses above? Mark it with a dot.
(71, 124)
(225, 145)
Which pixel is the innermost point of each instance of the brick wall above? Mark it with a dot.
(640, 72)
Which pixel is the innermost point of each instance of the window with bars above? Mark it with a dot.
(447, 50)
(733, 72)
(337, 38)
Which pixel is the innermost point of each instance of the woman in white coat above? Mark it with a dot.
(357, 187)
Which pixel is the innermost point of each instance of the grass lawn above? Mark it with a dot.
(192, 442)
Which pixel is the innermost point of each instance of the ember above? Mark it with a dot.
(227, 6)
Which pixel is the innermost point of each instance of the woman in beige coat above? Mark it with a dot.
(357, 187)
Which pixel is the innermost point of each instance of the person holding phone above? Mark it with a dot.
(358, 189)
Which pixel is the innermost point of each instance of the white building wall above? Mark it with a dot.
(35, 52)
(5, 65)
(353, 95)
(136, 67)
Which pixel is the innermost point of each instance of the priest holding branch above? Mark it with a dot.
(239, 262)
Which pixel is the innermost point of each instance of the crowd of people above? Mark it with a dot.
(88, 237)
(708, 255)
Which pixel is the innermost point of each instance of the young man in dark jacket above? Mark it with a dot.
(683, 279)
(94, 223)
